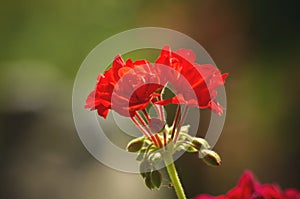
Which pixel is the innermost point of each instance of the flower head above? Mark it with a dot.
(203, 79)
(126, 88)
(129, 87)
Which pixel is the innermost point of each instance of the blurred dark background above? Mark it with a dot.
(42, 44)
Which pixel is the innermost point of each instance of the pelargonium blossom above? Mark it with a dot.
(144, 81)
(114, 86)
(129, 88)
(203, 79)
(249, 188)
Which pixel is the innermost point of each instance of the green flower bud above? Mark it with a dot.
(156, 178)
(145, 175)
(211, 158)
(135, 145)
(200, 142)
(149, 183)
(188, 147)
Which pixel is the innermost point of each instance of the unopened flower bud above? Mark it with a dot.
(200, 142)
(187, 147)
(211, 158)
(156, 178)
(135, 145)
(149, 183)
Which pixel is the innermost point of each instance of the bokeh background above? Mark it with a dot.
(42, 44)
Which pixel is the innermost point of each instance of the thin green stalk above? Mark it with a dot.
(176, 120)
(174, 176)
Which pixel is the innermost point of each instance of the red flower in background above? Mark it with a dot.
(124, 88)
(203, 79)
(249, 188)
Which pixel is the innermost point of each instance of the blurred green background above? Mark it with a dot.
(42, 44)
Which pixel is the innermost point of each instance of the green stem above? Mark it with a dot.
(174, 176)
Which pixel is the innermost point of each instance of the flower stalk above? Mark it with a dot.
(174, 176)
(177, 115)
(180, 124)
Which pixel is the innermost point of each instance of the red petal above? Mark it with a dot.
(245, 188)
(216, 107)
(269, 191)
(102, 111)
(189, 55)
(224, 76)
(118, 62)
(291, 194)
(164, 57)
(122, 71)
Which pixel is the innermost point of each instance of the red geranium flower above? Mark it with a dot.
(203, 79)
(126, 88)
(291, 194)
(249, 188)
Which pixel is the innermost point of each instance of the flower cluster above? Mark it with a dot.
(249, 188)
(129, 88)
(203, 79)
(147, 80)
